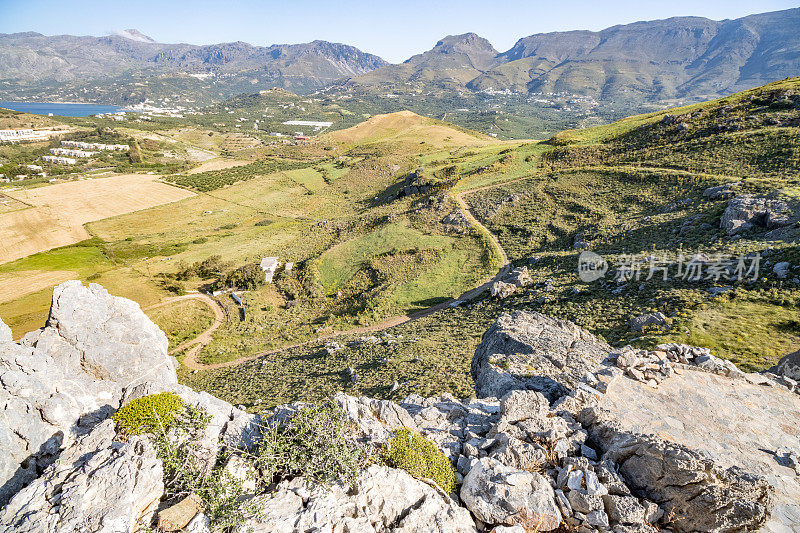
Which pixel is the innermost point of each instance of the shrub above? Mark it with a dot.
(421, 458)
(150, 414)
(315, 443)
(247, 277)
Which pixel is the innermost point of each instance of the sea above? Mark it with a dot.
(64, 110)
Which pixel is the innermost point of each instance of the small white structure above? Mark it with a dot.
(288, 267)
(269, 265)
(59, 160)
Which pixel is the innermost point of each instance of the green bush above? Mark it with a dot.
(315, 443)
(149, 414)
(421, 458)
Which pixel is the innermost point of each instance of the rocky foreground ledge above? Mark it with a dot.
(566, 434)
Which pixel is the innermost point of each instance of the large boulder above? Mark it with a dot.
(384, 499)
(97, 485)
(525, 350)
(650, 320)
(66, 377)
(748, 211)
(501, 495)
(788, 366)
(105, 330)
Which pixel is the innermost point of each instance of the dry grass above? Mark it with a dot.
(17, 284)
(408, 128)
(59, 212)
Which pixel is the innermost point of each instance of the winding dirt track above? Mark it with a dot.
(190, 358)
(205, 337)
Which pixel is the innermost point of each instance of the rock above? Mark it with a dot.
(721, 192)
(781, 269)
(698, 494)
(374, 419)
(597, 518)
(747, 211)
(5, 333)
(557, 352)
(519, 277)
(624, 509)
(519, 405)
(385, 498)
(651, 320)
(497, 494)
(583, 502)
(502, 290)
(788, 366)
(105, 330)
(96, 485)
(178, 516)
(198, 524)
(240, 472)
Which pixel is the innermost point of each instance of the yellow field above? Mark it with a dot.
(16, 284)
(59, 212)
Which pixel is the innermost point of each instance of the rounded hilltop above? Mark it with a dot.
(407, 127)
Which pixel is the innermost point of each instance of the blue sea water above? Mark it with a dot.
(64, 110)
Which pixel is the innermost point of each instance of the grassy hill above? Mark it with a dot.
(405, 128)
(633, 187)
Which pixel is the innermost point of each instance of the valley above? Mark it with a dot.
(392, 223)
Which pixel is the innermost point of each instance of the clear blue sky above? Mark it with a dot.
(394, 30)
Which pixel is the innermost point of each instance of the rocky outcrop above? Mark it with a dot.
(748, 211)
(788, 366)
(532, 351)
(651, 320)
(96, 485)
(63, 379)
(385, 499)
(582, 438)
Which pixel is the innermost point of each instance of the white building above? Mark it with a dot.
(269, 265)
(69, 152)
(59, 160)
(95, 146)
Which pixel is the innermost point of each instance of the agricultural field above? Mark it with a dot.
(57, 213)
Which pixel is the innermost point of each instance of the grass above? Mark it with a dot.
(182, 320)
(339, 264)
(752, 334)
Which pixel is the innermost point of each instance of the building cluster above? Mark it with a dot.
(71, 152)
(59, 160)
(25, 135)
(95, 146)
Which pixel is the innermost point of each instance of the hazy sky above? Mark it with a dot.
(394, 30)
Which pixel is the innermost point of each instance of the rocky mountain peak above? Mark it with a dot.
(134, 35)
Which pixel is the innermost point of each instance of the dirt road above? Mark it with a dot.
(190, 359)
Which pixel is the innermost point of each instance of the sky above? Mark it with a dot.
(394, 30)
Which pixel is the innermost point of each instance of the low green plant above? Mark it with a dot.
(315, 443)
(149, 414)
(421, 458)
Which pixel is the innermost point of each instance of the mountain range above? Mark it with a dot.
(673, 58)
(677, 58)
(32, 57)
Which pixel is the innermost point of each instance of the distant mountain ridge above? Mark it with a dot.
(677, 57)
(33, 57)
